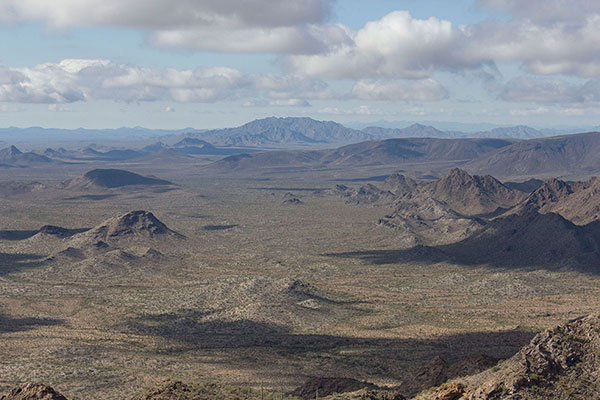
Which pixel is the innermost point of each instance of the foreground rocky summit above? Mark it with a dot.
(559, 363)
(32, 391)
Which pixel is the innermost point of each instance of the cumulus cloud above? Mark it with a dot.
(308, 39)
(421, 90)
(360, 110)
(215, 25)
(153, 14)
(550, 91)
(290, 103)
(281, 87)
(74, 80)
(400, 46)
(396, 46)
(544, 50)
(546, 11)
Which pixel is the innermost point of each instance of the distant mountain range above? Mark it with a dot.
(282, 132)
(271, 133)
(504, 152)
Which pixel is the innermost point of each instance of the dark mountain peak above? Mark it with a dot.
(419, 126)
(13, 151)
(189, 141)
(458, 177)
(137, 224)
(111, 178)
(58, 231)
(397, 180)
(155, 147)
(457, 174)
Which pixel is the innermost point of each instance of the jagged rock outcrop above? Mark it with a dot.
(472, 195)
(32, 391)
(399, 184)
(559, 363)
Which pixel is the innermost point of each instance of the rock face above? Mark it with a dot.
(559, 363)
(32, 391)
(428, 221)
(111, 178)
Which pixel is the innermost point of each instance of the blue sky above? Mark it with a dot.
(217, 63)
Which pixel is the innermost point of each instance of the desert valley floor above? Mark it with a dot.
(262, 282)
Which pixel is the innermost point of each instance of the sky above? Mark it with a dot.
(219, 63)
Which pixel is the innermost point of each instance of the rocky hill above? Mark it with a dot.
(472, 195)
(559, 363)
(110, 178)
(32, 391)
(12, 156)
(532, 239)
(579, 202)
(134, 225)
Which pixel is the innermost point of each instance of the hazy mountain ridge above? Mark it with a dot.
(377, 152)
(559, 155)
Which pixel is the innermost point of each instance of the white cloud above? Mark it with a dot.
(560, 48)
(293, 85)
(396, 46)
(74, 80)
(151, 14)
(290, 103)
(306, 39)
(544, 90)
(572, 112)
(420, 90)
(546, 11)
(169, 109)
(82, 80)
(360, 110)
(530, 111)
(215, 25)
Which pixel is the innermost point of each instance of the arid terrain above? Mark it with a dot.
(385, 278)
